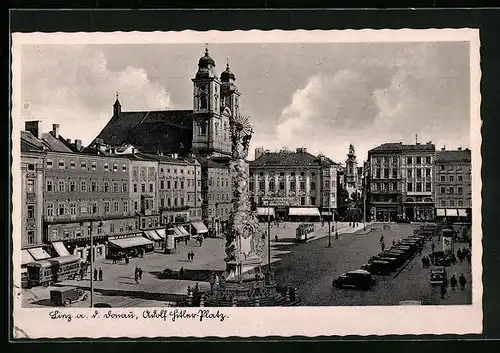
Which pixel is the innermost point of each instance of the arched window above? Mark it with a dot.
(204, 97)
(202, 128)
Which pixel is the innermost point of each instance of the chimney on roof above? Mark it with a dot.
(459, 148)
(68, 141)
(444, 148)
(33, 127)
(133, 150)
(55, 130)
(301, 150)
(78, 145)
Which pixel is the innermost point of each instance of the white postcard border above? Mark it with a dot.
(246, 322)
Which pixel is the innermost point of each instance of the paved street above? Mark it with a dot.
(311, 267)
(308, 266)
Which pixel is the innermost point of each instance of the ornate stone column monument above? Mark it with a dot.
(244, 284)
(244, 242)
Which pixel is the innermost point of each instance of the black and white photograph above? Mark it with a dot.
(233, 174)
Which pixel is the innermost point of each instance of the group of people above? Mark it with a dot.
(453, 283)
(463, 254)
(138, 274)
(191, 255)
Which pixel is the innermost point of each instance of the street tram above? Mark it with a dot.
(46, 272)
(304, 232)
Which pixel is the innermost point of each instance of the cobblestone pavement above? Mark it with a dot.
(312, 267)
(118, 287)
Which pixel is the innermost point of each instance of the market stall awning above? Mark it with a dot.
(462, 212)
(177, 232)
(60, 248)
(26, 258)
(183, 231)
(161, 233)
(200, 227)
(39, 254)
(440, 212)
(130, 242)
(151, 234)
(297, 211)
(264, 211)
(451, 212)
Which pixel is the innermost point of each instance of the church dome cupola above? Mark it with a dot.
(227, 75)
(206, 66)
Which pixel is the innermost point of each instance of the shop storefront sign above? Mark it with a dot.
(282, 201)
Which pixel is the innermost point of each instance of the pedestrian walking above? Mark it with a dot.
(453, 282)
(468, 257)
(433, 247)
(136, 272)
(127, 260)
(192, 255)
(186, 241)
(95, 274)
(100, 274)
(393, 242)
(462, 281)
(382, 246)
(136, 278)
(382, 239)
(443, 291)
(139, 273)
(276, 237)
(181, 273)
(460, 255)
(336, 235)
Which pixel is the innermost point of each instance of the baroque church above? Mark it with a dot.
(202, 131)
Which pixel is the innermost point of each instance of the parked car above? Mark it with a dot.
(378, 267)
(439, 276)
(168, 273)
(440, 258)
(64, 296)
(358, 279)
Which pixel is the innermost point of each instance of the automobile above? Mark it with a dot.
(440, 258)
(394, 262)
(168, 273)
(358, 279)
(438, 276)
(64, 296)
(378, 267)
(102, 305)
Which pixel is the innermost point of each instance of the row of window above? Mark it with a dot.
(282, 174)
(293, 185)
(451, 203)
(83, 165)
(450, 178)
(195, 213)
(169, 202)
(181, 171)
(386, 159)
(451, 190)
(451, 167)
(151, 188)
(84, 186)
(418, 187)
(84, 207)
(146, 173)
(176, 184)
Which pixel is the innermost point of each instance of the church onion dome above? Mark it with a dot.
(227, 75)
(205, 61)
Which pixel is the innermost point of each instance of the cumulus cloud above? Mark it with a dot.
(72, 86)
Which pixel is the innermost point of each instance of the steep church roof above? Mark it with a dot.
(169, 131)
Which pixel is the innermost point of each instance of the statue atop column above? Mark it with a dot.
(244, 243)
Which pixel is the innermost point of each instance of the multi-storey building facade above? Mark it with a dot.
(417, 165)
(293, 183)
(216, 193)
(452, 173)
(32, 184)
(385, 182)
(86, 193)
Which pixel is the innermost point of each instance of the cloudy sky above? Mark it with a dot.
(319, 96)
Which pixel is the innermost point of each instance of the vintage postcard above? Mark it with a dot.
(246, 183)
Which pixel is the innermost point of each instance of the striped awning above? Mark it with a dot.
(26, 258)
(39, 254)
(160, 232)
(130, 242)
(440, 212)
(151, 234)
(60, 248)
(298, 211)
(264, 211)
(200, 227)
(183, 231)
(451, 212)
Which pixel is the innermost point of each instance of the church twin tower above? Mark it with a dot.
(215, 103)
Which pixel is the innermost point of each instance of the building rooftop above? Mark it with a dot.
(400, 147)
(169, 131)
(453, 156)
(206, 162)
(288, 158)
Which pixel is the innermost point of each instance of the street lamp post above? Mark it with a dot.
(329, 226)
(91, 227)
(269, 237)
